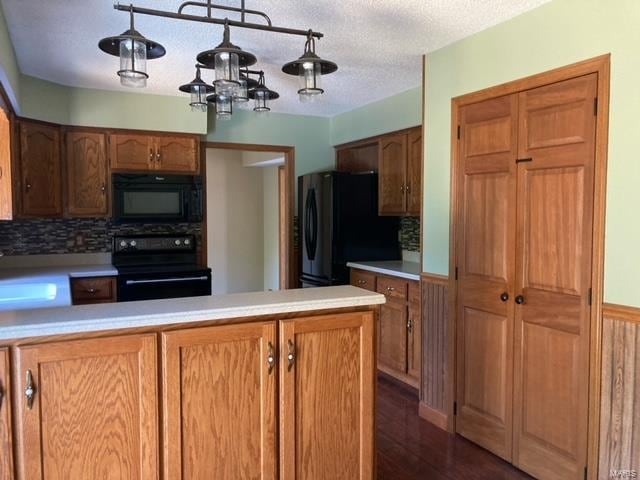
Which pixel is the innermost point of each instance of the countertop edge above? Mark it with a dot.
(384, 271)
(158, 319)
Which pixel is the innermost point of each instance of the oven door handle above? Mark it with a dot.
(167, 280)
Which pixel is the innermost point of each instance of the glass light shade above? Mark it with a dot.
(310, 81)
(198, 98)
(261, 101)
(227, 72)
(240, 95)
(224, 106)
(133, 63)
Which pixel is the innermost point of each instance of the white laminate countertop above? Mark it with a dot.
(73, 271)
(394, 268)
(110, 316)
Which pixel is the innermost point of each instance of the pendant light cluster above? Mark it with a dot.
(233, 84)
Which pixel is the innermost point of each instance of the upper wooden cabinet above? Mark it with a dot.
(392, 178)
(87, 409)
(219, 400)
(6, 179)
(327, 397)
(145, 153)
(6, 453)
(39, 186)
(87, 173)
(397, 157)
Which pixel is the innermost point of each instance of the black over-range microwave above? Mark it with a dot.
(141, 198)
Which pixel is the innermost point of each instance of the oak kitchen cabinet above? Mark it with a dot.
(88, 408)
(153, 153)
(89, 290)
(39, 179)
(6, 166)
(100, 396)
(397, 158)
(6, 459)
(399, 324)
(87, 174)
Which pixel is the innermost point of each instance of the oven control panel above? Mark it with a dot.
(175, 243)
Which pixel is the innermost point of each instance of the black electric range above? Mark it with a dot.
(159, 266)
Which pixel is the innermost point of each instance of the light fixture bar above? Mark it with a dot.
(211, 6)
(216, 21)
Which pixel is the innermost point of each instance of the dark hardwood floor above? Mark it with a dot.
(409, 448)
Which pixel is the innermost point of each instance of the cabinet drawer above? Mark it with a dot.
(392, 287)
(362, 279)
(93, 290)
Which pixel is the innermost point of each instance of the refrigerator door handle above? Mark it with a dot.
(307, 224)
(314, 224)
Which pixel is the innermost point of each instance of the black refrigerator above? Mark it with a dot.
(339, 223)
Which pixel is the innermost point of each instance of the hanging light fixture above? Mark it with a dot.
(134, 50)
(241, 95)
(262, 96)
(199, 91)
(227, 59)
(309, 68)
(224, 105)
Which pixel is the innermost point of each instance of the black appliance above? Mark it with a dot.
(339, 223)
(158, 266)
(141, 198)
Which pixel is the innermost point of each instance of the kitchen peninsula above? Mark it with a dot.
(233, 386)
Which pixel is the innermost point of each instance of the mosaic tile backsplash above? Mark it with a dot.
(410, 233)
(78, 235)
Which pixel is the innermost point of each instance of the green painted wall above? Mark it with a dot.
(9, 70)
(103, 108)
(400, 111)
(555, 34)
(309, 135)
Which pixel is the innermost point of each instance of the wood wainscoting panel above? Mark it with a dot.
(434, 384)
(620, 401)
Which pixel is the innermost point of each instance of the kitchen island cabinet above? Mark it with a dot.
(6, 460)
(87, 398)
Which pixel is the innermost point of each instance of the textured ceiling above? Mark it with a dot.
(376, 43)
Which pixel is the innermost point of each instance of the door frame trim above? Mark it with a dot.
(287, 262)
(601, 66)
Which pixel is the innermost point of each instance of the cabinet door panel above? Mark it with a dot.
(414, 333)
(219, 398)
(554, 245)
(485, 253)
(87, 174)
(392, 337)
(94, 413)
(177, 154)
(132, 152)
(6, 186)
(414, 172)
(6, 453)
(327, 398)
(40, 170)
(392, 175)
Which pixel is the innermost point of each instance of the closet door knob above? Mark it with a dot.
(520, 300)
(504, 297)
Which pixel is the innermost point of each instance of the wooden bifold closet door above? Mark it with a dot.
(524, 252)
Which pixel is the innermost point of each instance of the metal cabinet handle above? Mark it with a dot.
(504, 297)
(28, 186)
(30, 390)
(410, 326)
(407, 188)
(520, 300)
(362, 282)
(291, 356)
(103, 188)
(402, 188)
(151, 154)
(271, 359)
(92, 290)
(158, 156)
(391, 289)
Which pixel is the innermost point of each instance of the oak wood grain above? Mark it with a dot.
(219, 402)
(132, 152)
(392, 175)
(363, 279)
(392, 337)
(414, 172)
(327, 398)
(95, 410)
(87, 173)
(6, 170)
(6, 438)
(176, 154)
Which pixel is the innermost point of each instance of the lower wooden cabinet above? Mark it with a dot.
(6, 459)
(399, 327)
(219, 391)
(327, 378)
(87, 409)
